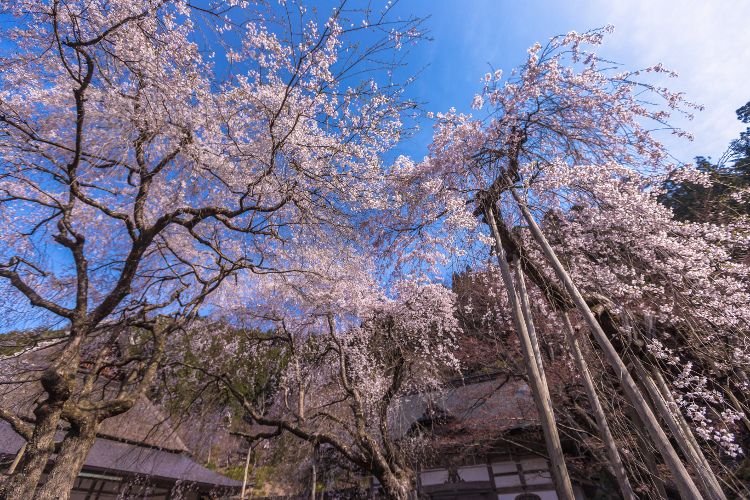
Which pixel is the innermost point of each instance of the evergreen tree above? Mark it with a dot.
(721, 201)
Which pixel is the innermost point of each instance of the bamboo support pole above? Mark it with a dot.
(16, 460)
(694, 456)
(596, 407)
(667, 394)
(538, 388)
(648, 458)
(685, 484)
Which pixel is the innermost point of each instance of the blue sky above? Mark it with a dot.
(706, 42)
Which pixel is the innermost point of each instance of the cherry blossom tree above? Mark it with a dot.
(136, 177)
(352, 349)
(566, 143)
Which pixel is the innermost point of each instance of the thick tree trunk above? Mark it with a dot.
(58, 380)
(73, 452)
(21, 484)
(685, 484)
(538, 383)
(395, 488)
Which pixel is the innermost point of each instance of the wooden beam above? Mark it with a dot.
(693, 454)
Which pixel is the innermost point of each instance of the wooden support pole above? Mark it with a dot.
(698, 462)
(649, 459)
(538, 389)
(16, 460)
(526, 309)
(596, 407)
(685, 484)
(247, 466)
(667, 394)
(314, 469)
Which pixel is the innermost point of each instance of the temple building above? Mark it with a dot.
(488, 442)
(137, 454)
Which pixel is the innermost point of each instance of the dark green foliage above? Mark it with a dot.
(715, 203)
(697, 203)
(249, 357)
(743, 114)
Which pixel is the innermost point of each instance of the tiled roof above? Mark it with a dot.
(137, 442)
(113, 456)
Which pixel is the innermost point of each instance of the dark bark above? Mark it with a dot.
(379, 457)
(684, 481)
(84, 416)
(557, 297)
(73, 452)
(58, 381)
(395, 487)
(20, 485)
(534, 369)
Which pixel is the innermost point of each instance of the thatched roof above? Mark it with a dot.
(487, 404)
(126, 459)
(139, 442)
(143, 424)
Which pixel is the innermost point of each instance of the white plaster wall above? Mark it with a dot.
(507, 481)
(476, 473)
(500, 467)
(534, 463)
(434, 477)
(535, 478)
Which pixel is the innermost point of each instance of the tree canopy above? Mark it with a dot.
(245, 230)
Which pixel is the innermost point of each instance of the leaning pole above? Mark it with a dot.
(601, 420)
(694, 455)
(685, 484)
(538, 385)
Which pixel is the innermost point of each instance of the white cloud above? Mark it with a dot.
(707, 43)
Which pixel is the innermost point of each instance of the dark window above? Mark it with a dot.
(528, 496)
